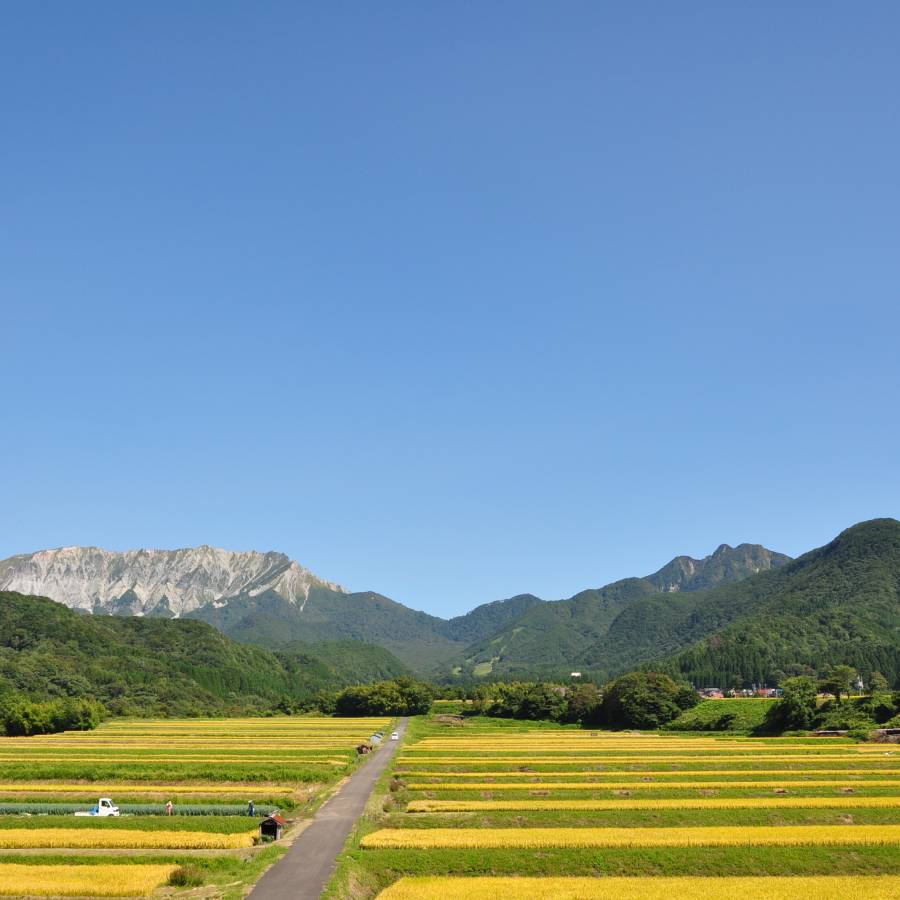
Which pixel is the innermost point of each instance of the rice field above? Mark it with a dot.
(501, 809)
(114, 838)
(536, 838)
(432, 806)
(18, 879)
(825, 887)
(210, 769)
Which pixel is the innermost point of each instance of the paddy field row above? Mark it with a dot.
(484, 809)
(211, 770)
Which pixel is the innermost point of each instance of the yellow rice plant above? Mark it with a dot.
(17, 880)
(206, 760)
(710, 836)
(690, 887)
(433, 806)
(407, 760)
(49, 787)
(677, 773)
(646, 785)
(110, 838)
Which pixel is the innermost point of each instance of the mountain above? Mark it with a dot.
(146, 666)
(270, 600)
(609, 629)
(168, 583)
(270, 620)
(726, 565)
(837, 604)
(262, 598)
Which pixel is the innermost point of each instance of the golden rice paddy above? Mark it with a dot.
(527, 757)
(18, 879)
(113, 838)
(820, 887)
(50, 787)
(184, 760)
(714, 836)
(676, 773)
(428, 806)
(519, 780)
(647, 785)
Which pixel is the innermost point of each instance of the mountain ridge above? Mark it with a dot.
(270, 600)
(151, 582)
(837, 603)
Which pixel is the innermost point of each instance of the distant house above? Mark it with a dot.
(271, 828)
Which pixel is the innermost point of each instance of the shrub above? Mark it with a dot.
(186, 876)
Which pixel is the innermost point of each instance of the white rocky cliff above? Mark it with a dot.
(155, 582)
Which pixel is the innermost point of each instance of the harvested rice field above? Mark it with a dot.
(486, 808)
(210, 770)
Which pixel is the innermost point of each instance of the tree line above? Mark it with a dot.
(20, 717)
(635, 700)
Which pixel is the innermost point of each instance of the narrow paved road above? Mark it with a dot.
(306, 868)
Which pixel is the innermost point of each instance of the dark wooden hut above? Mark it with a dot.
(271, 827)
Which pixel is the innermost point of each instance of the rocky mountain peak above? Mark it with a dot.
(156, 582)
(724, 565)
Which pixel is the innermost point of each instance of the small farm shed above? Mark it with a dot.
(271, 827)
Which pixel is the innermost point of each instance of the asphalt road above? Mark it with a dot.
(307, 867)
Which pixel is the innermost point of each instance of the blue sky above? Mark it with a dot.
(449, 301)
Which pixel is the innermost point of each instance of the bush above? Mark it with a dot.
(186, 876)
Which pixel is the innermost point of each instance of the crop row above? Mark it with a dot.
(17, 880)
(716, 836)
(774, 803)
(821, 887)
(51, 788)
(106, 838)
(647, 785)
(528, 757)
(134, 809)
(678, 773)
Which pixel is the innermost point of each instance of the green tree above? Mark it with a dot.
(687, 697)
(878, 684)
(584, 704)
(544, 701)
(641, 700)
(838, 681)
(797, 706)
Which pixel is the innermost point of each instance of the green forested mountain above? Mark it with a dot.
(422, 641)
(607, 630)
(834, 605)
(742, 612)
(837, 604)
(328, 615)
(159, 666)
(270, 600)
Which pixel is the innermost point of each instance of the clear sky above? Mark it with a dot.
(450, 301)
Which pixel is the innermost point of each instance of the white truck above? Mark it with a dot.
(104, 807)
